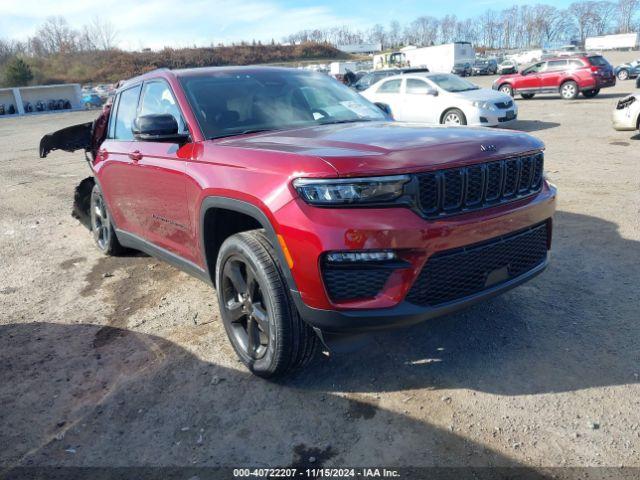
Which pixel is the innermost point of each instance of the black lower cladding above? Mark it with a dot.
(455, 274)
(344, 284)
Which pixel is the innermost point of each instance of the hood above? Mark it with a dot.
(391, 147)
(483, 95)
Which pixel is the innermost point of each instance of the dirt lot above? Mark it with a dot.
(123, 361)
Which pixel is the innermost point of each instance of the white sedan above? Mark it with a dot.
(441, 98)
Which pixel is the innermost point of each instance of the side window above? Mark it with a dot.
(556, 65)
(416, 87)
(535, 68)
(575, 64)
(112, 117)
(390, 86)
(127, 107)
(157, 98)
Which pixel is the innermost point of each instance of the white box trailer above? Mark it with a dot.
(621, 41)
(441, 58)
(340, 68)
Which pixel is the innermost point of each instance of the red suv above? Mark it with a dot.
(566, 76)
(312, 214)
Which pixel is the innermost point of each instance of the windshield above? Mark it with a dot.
(232, 103)
(452, 83)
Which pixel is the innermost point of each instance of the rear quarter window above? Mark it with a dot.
(598, 61)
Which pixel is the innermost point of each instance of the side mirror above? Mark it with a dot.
(158, 128)
(431, 91)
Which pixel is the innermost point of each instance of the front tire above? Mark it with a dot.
(104, 235)
(569, 90)
(257, 310)
(591, 93)
(453, 116)
(623, 75)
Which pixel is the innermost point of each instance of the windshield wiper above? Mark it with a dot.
(354, 120)
(244, 132)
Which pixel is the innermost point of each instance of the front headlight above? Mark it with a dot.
(341, 191)
(483, 105)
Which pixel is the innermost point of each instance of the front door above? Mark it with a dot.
(419, 102)
(530, 80)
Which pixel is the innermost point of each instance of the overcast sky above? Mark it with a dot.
(179, 23)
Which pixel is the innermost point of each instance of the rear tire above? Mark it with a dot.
(569, 90)
(623, 75)
(257, 310)
(104, 235)
(591, 93)
(506, 88)
(527, 96)
(453, 116)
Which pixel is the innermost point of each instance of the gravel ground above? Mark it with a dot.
(123, 361)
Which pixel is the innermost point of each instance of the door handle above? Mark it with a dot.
(136, 156)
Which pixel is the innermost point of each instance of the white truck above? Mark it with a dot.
(621, 41)
(440, 58)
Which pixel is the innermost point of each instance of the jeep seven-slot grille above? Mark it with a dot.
(455, 190)
(458, 273)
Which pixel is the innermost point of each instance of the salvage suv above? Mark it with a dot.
(313, 215)
(567, 76)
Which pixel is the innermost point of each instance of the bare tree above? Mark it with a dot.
(55, 36)
(605, 12)
(100, 34)
(393, 34)
(626, 12)
(377, 34)
(584, 16)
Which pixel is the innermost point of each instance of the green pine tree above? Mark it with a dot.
(17, 73)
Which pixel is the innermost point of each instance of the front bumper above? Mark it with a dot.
(309, 232)
(402, 315)
(492, 118)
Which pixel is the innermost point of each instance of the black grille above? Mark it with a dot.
(451, 191)
(344, 283)
(507, 104)
(458, 273)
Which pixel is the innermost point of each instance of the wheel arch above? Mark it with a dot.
(235, 216)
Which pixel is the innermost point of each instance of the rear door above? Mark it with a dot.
(552, 76)
(114, 163)
(388, 92)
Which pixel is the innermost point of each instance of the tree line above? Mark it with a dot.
(520, 26)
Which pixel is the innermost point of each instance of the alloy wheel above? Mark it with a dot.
(623, 75)
(244, 304)
(100, 224)
(452, 119)
(568, 90)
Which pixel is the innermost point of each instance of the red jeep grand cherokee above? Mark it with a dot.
(567, 76)
(312, 214)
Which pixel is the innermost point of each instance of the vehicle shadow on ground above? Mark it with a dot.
(532, 125)
(141, 400)
(573, 327)
(539, 97)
